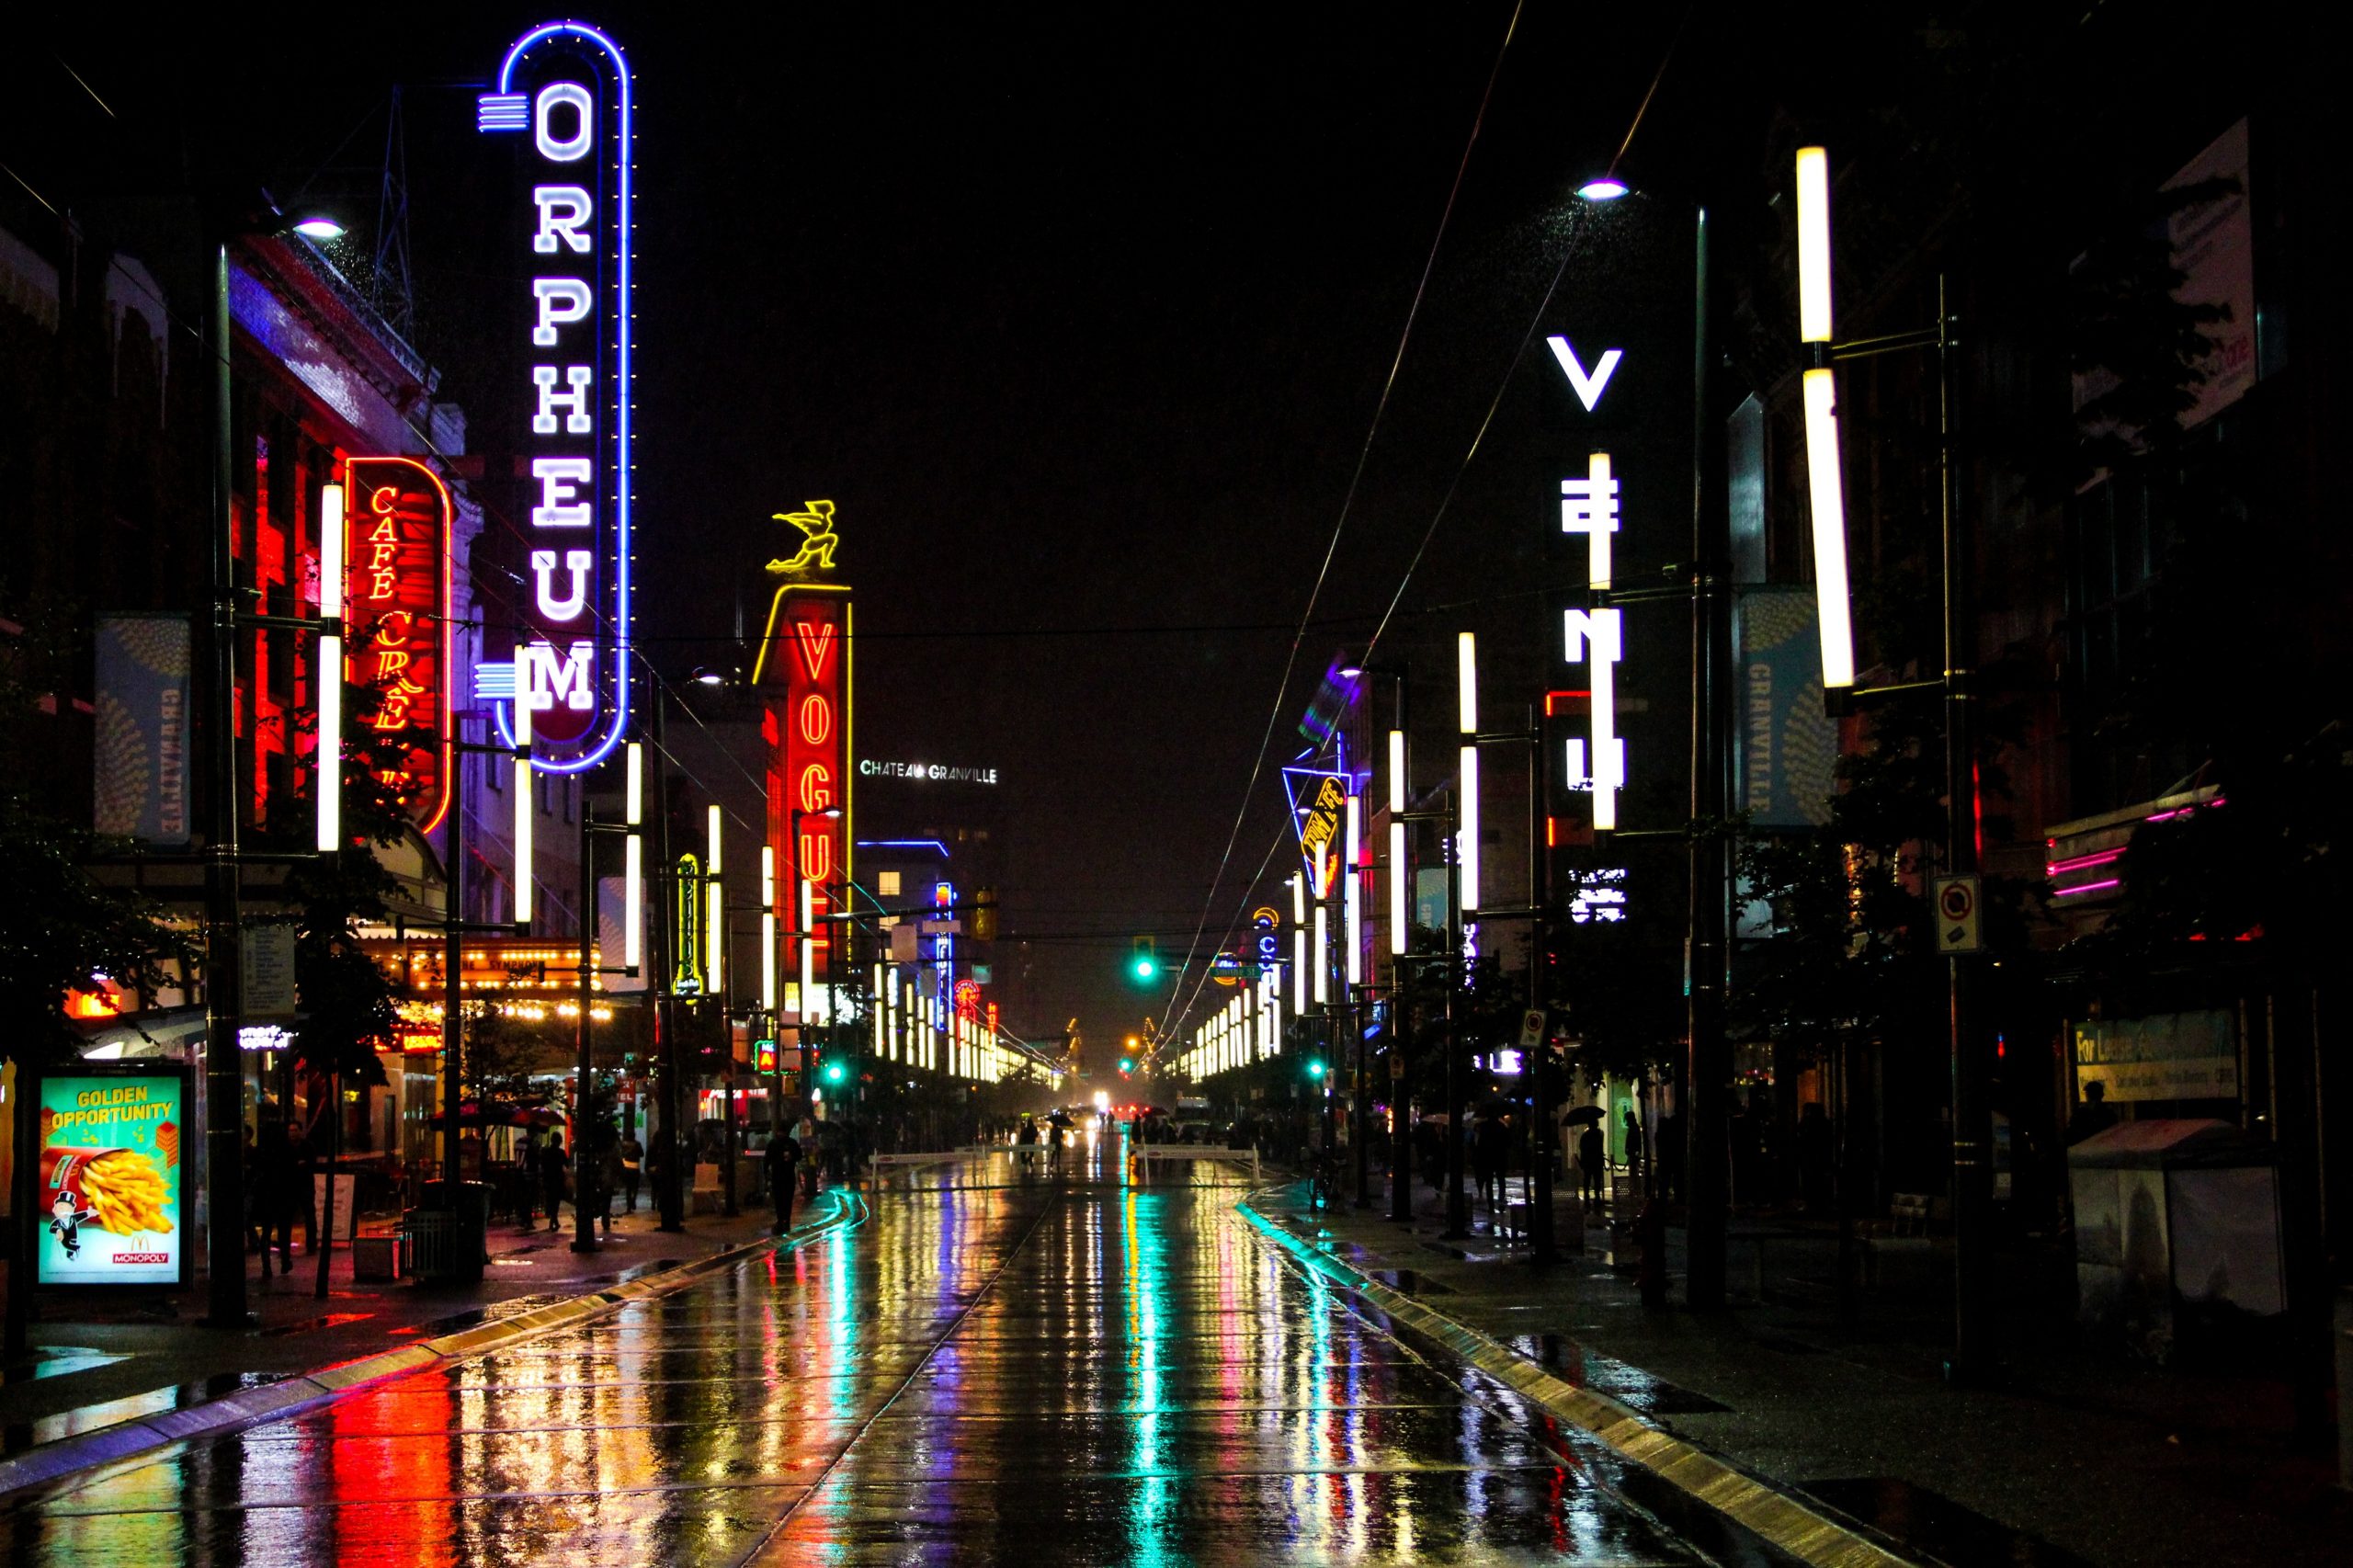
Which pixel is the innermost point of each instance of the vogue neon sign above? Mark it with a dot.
(566, 88)
(396, 619)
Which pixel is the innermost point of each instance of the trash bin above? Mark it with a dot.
(432, 1242)
(468, 1204)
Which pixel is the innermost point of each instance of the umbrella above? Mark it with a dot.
(1585, 1113)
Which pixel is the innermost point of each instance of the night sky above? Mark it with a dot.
(1081, 318)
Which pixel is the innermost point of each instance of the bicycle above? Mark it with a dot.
(1324, 1181)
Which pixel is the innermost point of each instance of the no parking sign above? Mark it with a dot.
(1958, 900)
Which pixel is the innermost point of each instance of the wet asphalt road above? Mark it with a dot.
(989, 1370)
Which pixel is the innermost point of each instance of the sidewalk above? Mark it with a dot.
(100, 1359)
(2077, 1459)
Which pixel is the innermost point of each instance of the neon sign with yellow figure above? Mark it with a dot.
(804, 669)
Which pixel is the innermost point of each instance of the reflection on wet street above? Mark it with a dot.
(994, 1367)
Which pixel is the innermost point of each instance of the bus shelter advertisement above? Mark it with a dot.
(111, 1180)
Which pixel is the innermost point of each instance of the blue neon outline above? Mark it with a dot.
(626, 160)
(905, 843)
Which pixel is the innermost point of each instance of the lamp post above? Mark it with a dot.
(1972, 1355)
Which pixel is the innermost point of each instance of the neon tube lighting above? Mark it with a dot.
(331, 526)
(522, 796)
(1467, 841)
(2088, 887)
(1399, 928)
(634, 785)
(327, 763)
(1352, 895)
(1466, 681)
(1829, 529)
(623, 153)
(2082, 862)
(1322, 988)
(1814, 244)
(633, 901)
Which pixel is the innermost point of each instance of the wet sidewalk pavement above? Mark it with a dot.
(99, 1360)
(2076, 1459)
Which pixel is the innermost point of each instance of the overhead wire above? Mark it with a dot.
(1347, 502)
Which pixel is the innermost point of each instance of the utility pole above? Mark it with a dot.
(1707, 1078)
(1540, 1124)
(1971, 1170)
(224, 1121)
(1458, 1201)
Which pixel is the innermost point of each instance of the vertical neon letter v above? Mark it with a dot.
(1588, 387)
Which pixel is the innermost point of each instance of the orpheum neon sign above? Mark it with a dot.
(396, 619)
(567, 89)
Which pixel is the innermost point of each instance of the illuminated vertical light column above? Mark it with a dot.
(1821, 399)
(1590, 507)
(1352, 897)
(634, 858)
(808, 952)
(523, 700)
(1400, 894)
(1597, 638)
(326, 674)
(1299, 942)
(767, 929)
(1466, 654)
(714, 922)
(875, 999)
(1323, 982)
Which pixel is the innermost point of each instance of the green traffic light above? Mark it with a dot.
(1125, 1065)
(836, 1072)
(1315, 1069)
(1146, 969)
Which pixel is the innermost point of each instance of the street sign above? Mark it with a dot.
(1532, 1028)
(1958, 900)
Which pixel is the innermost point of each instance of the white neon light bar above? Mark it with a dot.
(767, 930)
(1323, 953)
(715, 923)
(1829, 529)
(633, 901)
(522, 790)
(1298, 969)
(1466, 681)
(808, 951)
(1595, 638)
(633, 784)
(327, 673)
(1352, 896)
(1467, 841)
(1813, 245)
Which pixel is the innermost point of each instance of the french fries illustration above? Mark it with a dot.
(121, 1189)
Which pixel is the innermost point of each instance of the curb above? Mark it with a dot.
(1750, 1501)
(135, 1439)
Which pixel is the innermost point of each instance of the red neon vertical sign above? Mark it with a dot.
(811, 631)
(396, 620)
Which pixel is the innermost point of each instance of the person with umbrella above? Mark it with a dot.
(1057, 1132)
(1592, 1150)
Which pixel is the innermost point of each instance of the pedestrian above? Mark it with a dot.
(1670, 1155)
(273, 1174)
(1026, 1144)
(1814, 1157)
(1634, 1130)
(805, 1134)
(783, 1153)
(1592, 1154)
(633, 1167)
(609, 1175)
(2094, 1114)
(552, 1164)
(1489, 1140)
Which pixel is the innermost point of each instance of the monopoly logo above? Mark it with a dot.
(143, 1257)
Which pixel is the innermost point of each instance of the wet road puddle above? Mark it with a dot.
(1034, 1375)
(1932, 1524)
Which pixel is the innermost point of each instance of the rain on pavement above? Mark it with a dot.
(993, 1367)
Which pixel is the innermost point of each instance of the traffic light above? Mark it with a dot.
(1126, 1066)
(835, 1073)
(1144, 962)
(1315, 1067)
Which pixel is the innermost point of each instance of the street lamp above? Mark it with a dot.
(1608, 188)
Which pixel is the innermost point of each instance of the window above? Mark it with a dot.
(888, 882)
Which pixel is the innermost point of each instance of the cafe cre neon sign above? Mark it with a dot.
(396, 620)
(565, 91)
